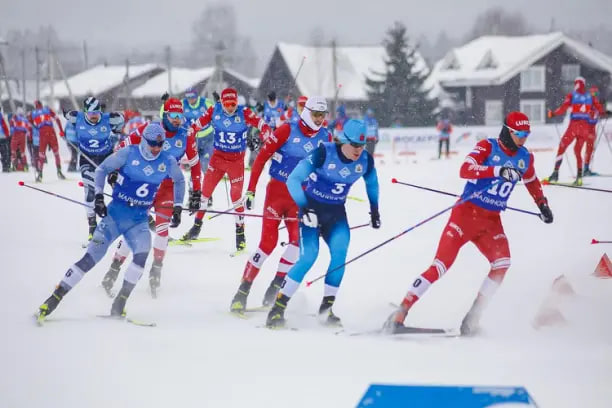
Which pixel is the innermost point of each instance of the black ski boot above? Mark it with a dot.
(326, 314)
(588, 172)
(210, 203)
(111, 277)
(240, 239)
(239, 301)
(272, 290)
(92, 226)
(51, 303)
(60, 175)
(38, 176)
(276, 316)
(155, 277)
(118, 307)
(554, 177)
(194, 231)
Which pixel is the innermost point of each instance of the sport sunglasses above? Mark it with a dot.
(175, 115)
(521, 134)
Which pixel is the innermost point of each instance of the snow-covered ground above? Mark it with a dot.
(200, 356)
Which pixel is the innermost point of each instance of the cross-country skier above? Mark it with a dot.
(195, 106)
(178, 143)
(497, 164)
(42, 118)
(231, 122)
(20, 132)
(319, 185)
(93, 132)
(289, 144)
(142, 168)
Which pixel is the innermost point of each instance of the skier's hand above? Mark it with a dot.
(546, 214)
(165, 96)
(249, 200)
(112, 178)
(216, 96)
(509, 174)
(309, 218)
(375, 218)
(195, 199)
(99, 206)
(176, 216)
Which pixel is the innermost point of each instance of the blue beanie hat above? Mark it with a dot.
(354, 131)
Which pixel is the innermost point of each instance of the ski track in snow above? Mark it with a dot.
(199, 355)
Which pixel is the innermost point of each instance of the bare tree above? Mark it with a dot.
(497, 21)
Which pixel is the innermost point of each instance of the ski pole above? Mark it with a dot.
(21, 183)
(227, 194)
(595, 241)
(603, 190)
(571, 169)
(426, 220)
(351, 228)
(298, 72)
(598, 139)
(395, 181)
(82, 154)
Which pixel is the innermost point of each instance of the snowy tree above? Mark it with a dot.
(398, 95)
(497, 21)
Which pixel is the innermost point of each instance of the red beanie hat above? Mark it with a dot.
(518, 121)
(173, 105)
(302, 100)
(229, 95)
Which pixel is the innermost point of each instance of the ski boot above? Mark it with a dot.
(395, 321)
(239, 301)
(60, 175)
(118, 307)
(587, 172)
(276, 316)
(50, 304)
(38, 176)
(272, 290)
(578, 181)
(470, 324)
(210, 203)
(194, 231)
(554, 177)
(326, 315)
(155, 277)
(92, 226)
(151, 222)
(240, 240)
(111, 277)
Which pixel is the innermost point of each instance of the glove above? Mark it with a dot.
(509, 174)
(61, 133)
(253, 142)
(309, 218)
(165, 96)
(249, 201)
(259, 107)
(112, 178)
(216, 96)
(375, 218)
(545, 214)
(195, 199)
(176, 216)
(549, 114)
(99, 206)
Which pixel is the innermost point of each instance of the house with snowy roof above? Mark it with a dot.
(313, 70)
(109, 83)
(493, 75)
(146, 97)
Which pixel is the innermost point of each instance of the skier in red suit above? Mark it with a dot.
(42, 118)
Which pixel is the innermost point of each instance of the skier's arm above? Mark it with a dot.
(4, 127)
(598, 106)
(255, 121)
(271, 145)
(564, 106)
(472, 167)
(195, 167)
(116, 121)
(371, 181)
(532, 183)
(57, 122)
(179, 181)
(201, 122)
(71, 116)
(110, 164)
(301, 172)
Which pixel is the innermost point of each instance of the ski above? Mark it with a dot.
(109, 292)
(281, 328)
(561, 183)
(190, 242)
(237, 253)
(257, 309)
(404, 332)
(129, 320)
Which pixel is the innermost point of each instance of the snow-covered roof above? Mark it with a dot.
(16, 90)
(252, 82)
(354, 64)
(493, 60)
(182, 79)
(96, 80)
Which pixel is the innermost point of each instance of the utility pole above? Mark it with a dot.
(37, 56)
(85, 56)
(126, 81)
(23, 79)
(169, 68)
(51, 75)
(6, 82)
(61, 71)
(335, 74)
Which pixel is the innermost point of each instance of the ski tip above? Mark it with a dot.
(545, 182)
(308, 284)
(594, 241)
(81, 184)
(21, 183)
(394, 180)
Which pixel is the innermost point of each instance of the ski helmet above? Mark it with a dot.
(313, 104)
(92, 104)
(153, 135)
(353, 132)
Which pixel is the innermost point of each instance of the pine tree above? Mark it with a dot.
(398, 95)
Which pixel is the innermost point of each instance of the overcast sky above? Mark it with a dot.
(149, 23)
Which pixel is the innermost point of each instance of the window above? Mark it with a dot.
(493, 112)
(533, 79)
(534, 109)
(569, 72)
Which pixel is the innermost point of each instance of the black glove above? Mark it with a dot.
(165, 96)
(216, 96)
(259, 107)
(509, 174)
(545, 214)
(99, 206)
(253, 142)
(112, 178)
(375, 218)
(176, 216)
(309, 218)
(195, 199)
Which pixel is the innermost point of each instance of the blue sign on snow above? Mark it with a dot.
(424, 396)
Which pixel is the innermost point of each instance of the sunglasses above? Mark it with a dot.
(155, 143)
(317, 114)
(229, 104)
(92, 115)
(175, 115)
(521, 134)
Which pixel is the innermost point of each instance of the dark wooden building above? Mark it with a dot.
(493, 75)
